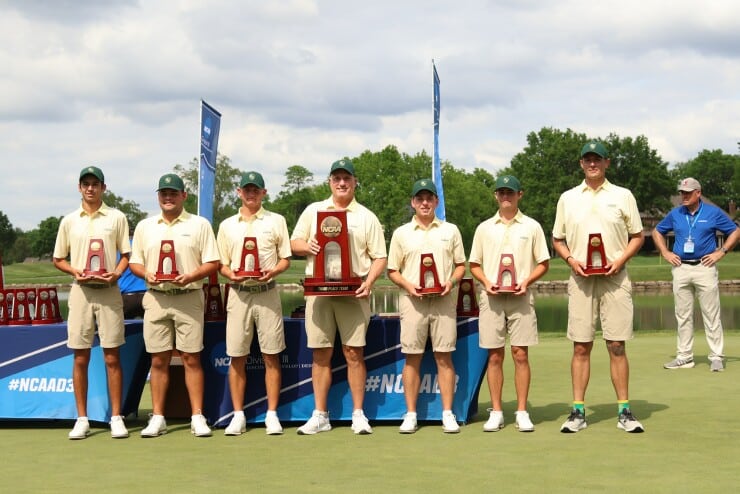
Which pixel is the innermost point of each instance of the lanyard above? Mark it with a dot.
(696, 218)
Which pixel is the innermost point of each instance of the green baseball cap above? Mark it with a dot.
(94, 171)
(171, 181)
(424, 184)
(252, 178)
(508, 182)
(343, 164)
(594, 147)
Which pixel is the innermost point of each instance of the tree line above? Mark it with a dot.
(547, 166)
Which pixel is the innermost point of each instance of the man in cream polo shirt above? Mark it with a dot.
(598, 206)
(510, 232)
(173, 310)
(349, 315)
(254, 303)
(423, 317)
(94, 298)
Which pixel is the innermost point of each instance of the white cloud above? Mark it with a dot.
(118, 83)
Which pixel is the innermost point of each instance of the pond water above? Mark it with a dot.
(653, 311)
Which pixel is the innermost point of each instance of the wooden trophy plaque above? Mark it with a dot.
(167, 265)
(3, 308)
(47, 306)
(20, 314)
(506, 281)
(332, 267)
(95, 264)
(596, 258)
(249, 266)
(428, 279)
(214, 304)
(467, 304)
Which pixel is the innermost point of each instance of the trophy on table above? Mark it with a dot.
(214, 303)
(95, 264)
(20, 315)
(3, 309)
(249, 265)
(46, 310)
(167, 266)
(31, 297)
(332, 267)
(595, 256)
(428, 279)
(467, 305)
(506, 281)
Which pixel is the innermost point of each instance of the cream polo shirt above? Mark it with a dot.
(194, 241)
(522, 237)
(610, 210)
(410, 241)
(270, 230)
(365, 234)
(77, 228)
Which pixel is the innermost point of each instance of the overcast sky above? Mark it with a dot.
(118, 83)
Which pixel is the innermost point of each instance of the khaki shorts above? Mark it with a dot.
(173, 321)
(327, 315)
(507, 314)
(428, 317)
(605, 298)
(246, 310)
(88, 305)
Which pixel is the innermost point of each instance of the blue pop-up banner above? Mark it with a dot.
(210, 125)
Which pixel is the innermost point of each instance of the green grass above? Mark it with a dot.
(651, 268)
(641, 268)
(689, 445)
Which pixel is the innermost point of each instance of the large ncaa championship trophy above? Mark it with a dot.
(332, 267)
(95, 264)
(506, 274)
(428, 279)
(249, 266)
(595, 258)
(167, 266)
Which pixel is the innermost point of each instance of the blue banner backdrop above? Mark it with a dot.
(36, 374)
(36, 382)
(384, 399)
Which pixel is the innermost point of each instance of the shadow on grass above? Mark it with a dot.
(554, 412)
(642, 409)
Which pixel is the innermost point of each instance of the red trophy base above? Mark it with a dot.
(321, 287)
(166, 276)
(248, 274)
(595, 249)
(467, 304)
(431, 291)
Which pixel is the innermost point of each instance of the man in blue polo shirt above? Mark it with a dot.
(694, 259)
(132, 291)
